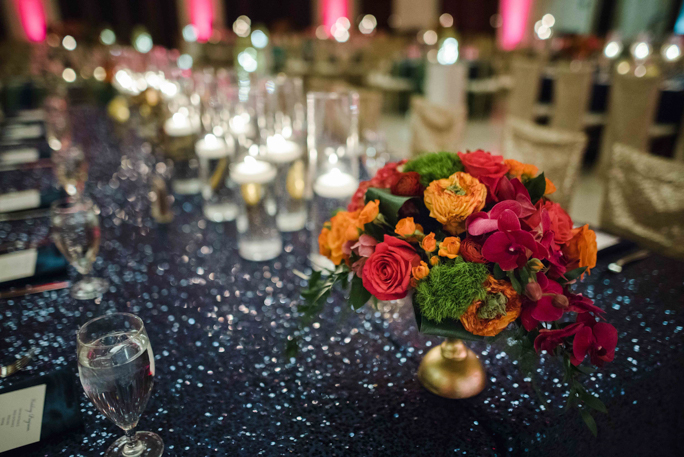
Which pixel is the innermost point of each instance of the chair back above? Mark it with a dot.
(435, 128)
(526, 75)
(558, 153)
(572, 90)
(644, 200)
(631, 111)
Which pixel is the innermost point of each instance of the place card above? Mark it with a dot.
(23, 132)
(31, 115)
(21, 417)
(19, 201)
(18, 265)
(19, 156)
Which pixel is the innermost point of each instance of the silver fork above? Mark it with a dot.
(18, 365)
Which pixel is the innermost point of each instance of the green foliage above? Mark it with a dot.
(389, 204)
(358, 296)
(434, 165)
(536, 187)
(493, 307)
(450, 288)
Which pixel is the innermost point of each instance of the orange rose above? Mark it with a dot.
(581, 249)
(519, 169)
(343, 228)
(405, 227)
(323, 247)
(369, 213)
(434, 260)
(453, 199)
(429, 244)
(450, 247)
(421, 271)
(550, 187)
(502, 303)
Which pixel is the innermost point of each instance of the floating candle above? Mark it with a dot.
(180, 125)
(335, 184)
(252, 171)
(211, 147)
(280, 150)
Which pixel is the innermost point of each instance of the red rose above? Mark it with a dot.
(387, 273)
(407, 185)
(488, 168)
(471, 251)
(561, 223)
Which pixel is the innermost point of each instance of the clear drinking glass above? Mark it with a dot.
(57, 122)
(71, 169)
(218, 192)
(333, 142)
(116, 367)
(76, 233)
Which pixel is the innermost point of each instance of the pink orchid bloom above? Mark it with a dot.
(481, 223)
(510, 246)
(548, 340)
(514, 189)
(578, 303)
(544, 309)
(598, 339)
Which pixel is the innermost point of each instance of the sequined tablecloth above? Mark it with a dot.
(218, 327)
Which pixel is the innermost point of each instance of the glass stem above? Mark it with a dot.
(133, 447)
(130, 435)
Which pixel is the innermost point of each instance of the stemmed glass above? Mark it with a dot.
(76, 232)
(71, 169)
(116, 367)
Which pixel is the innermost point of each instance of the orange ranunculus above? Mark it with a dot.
(429, 244)
(369, 213)
(550, 187)
(519, 169)
(343, 228)
(405, 227)
(323, 247)
(434, 260)
(581, 249)
(453, 199)
(421, 271)
(477, 325)
(450, 247)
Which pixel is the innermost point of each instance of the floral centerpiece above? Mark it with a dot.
(482, 247)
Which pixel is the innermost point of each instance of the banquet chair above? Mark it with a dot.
(435, 128)
(571, 96)
(370, 109)
(558, 153)
(631, 111)
(644, 200)
(526, 75)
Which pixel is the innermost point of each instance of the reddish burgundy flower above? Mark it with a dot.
(514, 189)
(407, 185)
(383, 179)
(365, 246)
(510, 246)
(471, 251)
(598, 339)
(581, 304)
(488, 168)
(542, 310)
(548, 340)
(561, 223)
(482, 223)
(387, 273)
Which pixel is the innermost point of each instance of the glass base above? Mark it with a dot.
(260, 250)
(187, 186)
(148, 445)
(220, 212)
(291, 222)
(89, 288)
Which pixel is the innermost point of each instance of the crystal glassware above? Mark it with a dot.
(332, 142)
(218, 191)
(57, 122)
(71, 169)
(116, 367)
(181, 131)
(76, 233)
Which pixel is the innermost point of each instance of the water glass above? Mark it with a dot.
(116, 368)
(76, 233)
(71, 169)
(181, 134)
(258, 235)
(218, 192)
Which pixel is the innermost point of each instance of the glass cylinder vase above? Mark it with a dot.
(181, 134)
(214, 155)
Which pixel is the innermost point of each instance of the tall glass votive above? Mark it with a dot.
(332, 141)
(258, 236)
(290, 182)
(181, 134)
(214, 155)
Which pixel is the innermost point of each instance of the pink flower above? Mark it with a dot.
(488, 168)
(578, 303)
(598, 339)
(357, 267)
(387, 272)
(514, 189)
(544, 309)
(548, 340)
(510, 246)
(365, 246)
(482, 223)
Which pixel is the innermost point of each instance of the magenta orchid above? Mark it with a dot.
(547, 308)
(596, 339)
(548, 340)
(510, 246)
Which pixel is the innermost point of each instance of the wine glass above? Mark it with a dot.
(116, 367)
(71, 169)
(76, 232)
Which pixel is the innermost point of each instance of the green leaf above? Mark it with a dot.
(574, 274)
(375, 231)
(589, 420)
(524, 275)
(592, 402)
(536, 187)
(499, 274)
(448, 328)
(389, 204)
(358, 296)
(586, 370)
(515, 282)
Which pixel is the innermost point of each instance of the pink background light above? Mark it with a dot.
(201, 17)
(514, 15)
(32, 16)
(332, 11)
